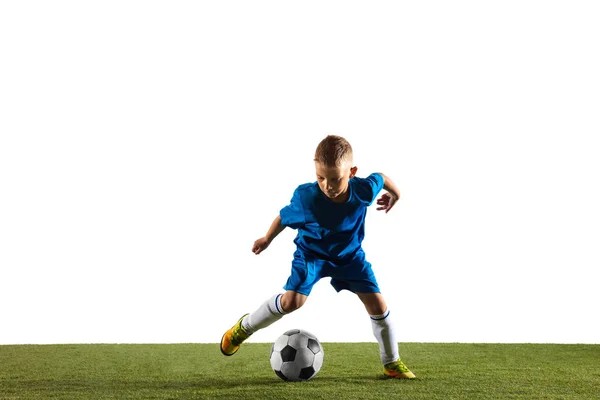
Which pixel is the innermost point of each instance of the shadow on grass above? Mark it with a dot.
(220, 383)
(201, 383)
(228, 382)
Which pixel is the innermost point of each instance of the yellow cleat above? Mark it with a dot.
(398, 370)
(233, 338)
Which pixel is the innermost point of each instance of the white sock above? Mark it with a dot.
(270, 311)
(384, 333)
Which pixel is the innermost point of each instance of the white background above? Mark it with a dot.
(145, 146)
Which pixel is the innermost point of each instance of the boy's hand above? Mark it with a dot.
(260, 245)
(386, 201)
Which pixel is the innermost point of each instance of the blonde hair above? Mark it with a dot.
(333, 151)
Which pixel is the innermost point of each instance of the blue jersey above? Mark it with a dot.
(328, 230)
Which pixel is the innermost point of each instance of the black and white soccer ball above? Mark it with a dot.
(297, 355)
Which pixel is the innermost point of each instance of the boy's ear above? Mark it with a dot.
(353, 171)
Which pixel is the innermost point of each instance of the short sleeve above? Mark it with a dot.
(368, 188)
(292, 215)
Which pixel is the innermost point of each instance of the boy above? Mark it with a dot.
(329, 215)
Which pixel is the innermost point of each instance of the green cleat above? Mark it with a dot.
(398, 370)
(233, 338)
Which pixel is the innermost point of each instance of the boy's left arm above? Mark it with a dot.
(389, 199)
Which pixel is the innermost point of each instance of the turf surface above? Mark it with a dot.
(350, 371)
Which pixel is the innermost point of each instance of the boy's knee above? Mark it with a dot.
(373, 302)
(291, 301)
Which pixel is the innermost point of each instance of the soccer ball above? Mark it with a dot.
(297, 355)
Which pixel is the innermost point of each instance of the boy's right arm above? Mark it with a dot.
(264, 242)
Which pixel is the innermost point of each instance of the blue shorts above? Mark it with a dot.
(354, 274)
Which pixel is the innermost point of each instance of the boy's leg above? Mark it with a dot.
(382, 326)
(272, 310)
(384, 332)
(269, 312)
(298, 287)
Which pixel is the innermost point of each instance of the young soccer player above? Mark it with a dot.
(329, 215)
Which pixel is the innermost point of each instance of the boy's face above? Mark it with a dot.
(333, 181)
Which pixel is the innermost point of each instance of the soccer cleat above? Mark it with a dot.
(233, 338)
(398, 370)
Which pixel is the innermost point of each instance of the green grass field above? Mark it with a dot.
(350, 371)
